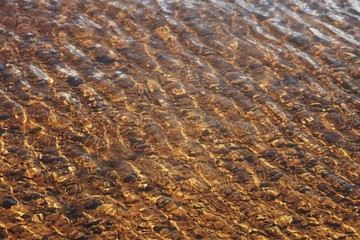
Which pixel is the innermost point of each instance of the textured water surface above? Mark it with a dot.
(179, 119)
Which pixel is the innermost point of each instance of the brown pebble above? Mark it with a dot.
(131, 199)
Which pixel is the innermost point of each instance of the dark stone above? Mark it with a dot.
(312, 163)
(73, 210)
(92, 223)
(296, 220)
(354, 123)
(158, 228)
(249, 158)
(3, 233)
(92, 204)
(331, 137)
(52, 159)
(115, 163)
(97, 231)
(299, 41)
(269, 153)
(29, 36)
(129, 179)
(25, 216)
(8, 202)
(275, 175)
(304, 189)
(206, 133)
(197, 236)
(349, 189)
(78, 139)
(264, 185)
(74, 81)
(31, 196)
(4, 116)
(105, 59)
(333, 223)
(147, 188)
(300, 155)
(324, 174)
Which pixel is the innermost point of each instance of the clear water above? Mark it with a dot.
(179, 119)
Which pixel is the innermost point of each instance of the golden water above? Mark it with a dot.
(179, 119)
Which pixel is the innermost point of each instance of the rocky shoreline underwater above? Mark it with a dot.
(173, 119)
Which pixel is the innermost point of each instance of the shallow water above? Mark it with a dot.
(179, 119)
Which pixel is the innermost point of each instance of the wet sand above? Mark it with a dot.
(179, 119)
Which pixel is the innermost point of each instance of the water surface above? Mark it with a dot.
(179, 119)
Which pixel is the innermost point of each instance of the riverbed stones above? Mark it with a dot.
(179, 120)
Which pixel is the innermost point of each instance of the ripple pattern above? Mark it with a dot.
(152, 119)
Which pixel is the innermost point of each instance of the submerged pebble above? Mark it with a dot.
(8, 202)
